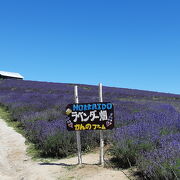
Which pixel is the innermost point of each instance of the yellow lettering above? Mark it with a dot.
(77, 127)
(88, 126)
(103, 127)
(82, 127)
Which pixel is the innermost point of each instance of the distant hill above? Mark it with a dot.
(147, 124)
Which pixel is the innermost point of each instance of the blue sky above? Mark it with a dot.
(121, 43)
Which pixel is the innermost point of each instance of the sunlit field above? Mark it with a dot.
(146, 133)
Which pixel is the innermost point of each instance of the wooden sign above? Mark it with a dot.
(90, 116)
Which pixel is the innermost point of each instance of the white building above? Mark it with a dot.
(10, 75)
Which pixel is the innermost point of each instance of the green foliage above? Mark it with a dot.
(6, 115)
(163, 171)
(58, 145)
(176, 168)
(125, 156)
(32, 150)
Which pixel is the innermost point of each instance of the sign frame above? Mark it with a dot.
(90, 116)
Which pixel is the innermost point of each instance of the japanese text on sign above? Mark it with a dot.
(90, 116)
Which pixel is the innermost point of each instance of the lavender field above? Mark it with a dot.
(146, 133)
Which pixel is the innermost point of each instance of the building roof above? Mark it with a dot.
(11, 74)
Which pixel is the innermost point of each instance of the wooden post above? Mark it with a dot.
(78, 132)
(101, 132)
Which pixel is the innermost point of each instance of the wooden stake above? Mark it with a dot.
(78, 132)
(101, 132)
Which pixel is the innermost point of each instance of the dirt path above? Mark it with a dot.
(16, 165)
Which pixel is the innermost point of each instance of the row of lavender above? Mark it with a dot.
(147, 132)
